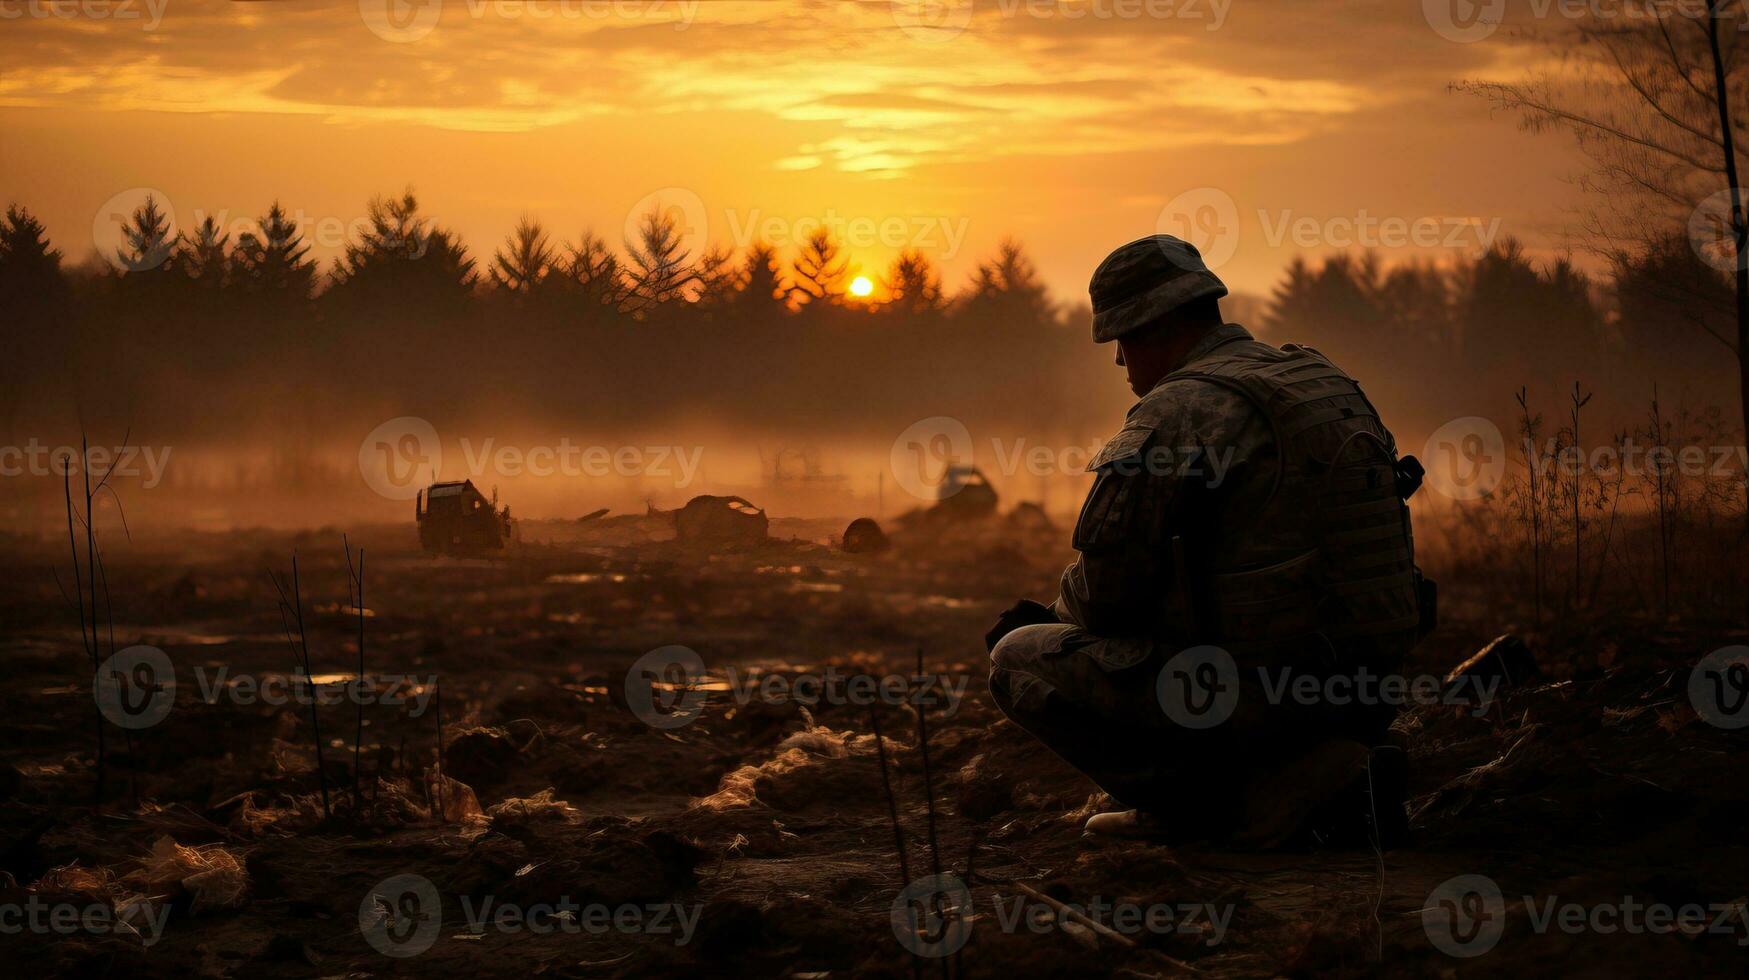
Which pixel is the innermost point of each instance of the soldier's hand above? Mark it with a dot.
(1023, 613)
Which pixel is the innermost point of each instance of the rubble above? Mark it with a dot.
(1506, 657)
(720, 521)
(864, 537)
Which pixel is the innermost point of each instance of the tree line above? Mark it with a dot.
(407, 317)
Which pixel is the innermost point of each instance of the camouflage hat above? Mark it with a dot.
(1142, 281)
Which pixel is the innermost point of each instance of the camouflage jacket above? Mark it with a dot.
(1195, 530)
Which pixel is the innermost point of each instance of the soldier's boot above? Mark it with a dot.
(1285, 804)
(1128, 824)
(1371, 811)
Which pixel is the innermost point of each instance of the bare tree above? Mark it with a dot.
(1649, 93)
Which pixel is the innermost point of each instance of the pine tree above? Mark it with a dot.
(403, 257)
(273, 260)
(526, 259)
(821, 270)
(912, 284)
(660, 270)
(150, 244)
(762, 286)
(718, 278)
(1008, 288)
(205, 257)
(595, 274)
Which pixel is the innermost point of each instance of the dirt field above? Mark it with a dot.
(759, 833)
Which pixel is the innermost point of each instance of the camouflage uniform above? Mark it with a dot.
(1200, 530)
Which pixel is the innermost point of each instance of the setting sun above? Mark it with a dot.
(861, 286)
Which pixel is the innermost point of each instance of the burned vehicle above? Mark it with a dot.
(964, 497)
(712, 521)
(456, 519)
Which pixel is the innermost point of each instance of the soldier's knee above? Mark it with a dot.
(1024, 646)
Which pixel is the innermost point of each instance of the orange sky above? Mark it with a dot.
(1267, 128)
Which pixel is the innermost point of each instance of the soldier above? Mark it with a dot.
(1246, 529)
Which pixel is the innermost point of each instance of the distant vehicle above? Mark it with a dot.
(720, 521)
(964, 497)
(456, 519)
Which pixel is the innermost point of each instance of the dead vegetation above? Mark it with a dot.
(512, 768)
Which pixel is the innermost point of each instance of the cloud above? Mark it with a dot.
(1023, 77)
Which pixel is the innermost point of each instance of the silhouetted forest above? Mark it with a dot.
(197, 332)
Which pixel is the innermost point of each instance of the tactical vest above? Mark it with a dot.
(1326, 562)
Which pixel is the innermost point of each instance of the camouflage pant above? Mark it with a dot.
(1093, 701)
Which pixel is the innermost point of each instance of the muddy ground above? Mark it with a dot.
(763, 825)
